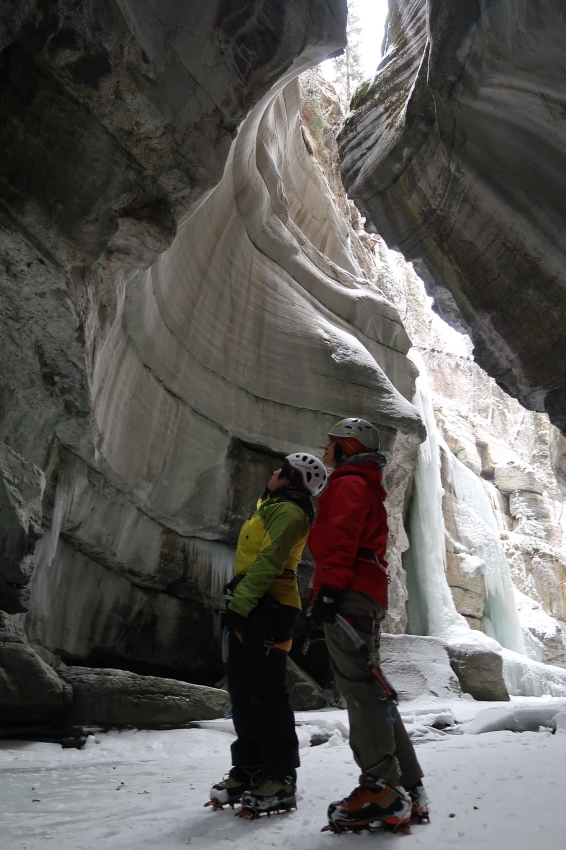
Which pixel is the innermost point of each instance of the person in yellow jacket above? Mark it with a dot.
(261, 616)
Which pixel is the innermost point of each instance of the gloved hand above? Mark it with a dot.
(233, 621)
(325, 605)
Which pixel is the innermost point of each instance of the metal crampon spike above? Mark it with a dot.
(247, 814)
(253, 814)
(377, 826)
(218, 807)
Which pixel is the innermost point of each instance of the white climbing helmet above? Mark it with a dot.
(312, 471)
(355, 436)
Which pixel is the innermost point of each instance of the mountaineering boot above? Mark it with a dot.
(271, 794)
(229, 790)
(419, 799)
(373, 803)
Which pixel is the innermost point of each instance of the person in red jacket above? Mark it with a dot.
(348, 542)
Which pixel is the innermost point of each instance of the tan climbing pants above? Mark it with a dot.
(381, 748)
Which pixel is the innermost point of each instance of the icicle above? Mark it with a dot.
(215, 563)
(70, 483)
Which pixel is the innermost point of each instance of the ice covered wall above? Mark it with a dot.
(157, 379)
(455, 153)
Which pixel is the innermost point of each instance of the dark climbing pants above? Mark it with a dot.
(261, 705)
(381, 748)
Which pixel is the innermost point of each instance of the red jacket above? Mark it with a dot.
(351, 516)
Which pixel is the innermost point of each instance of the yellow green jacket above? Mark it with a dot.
(269, 549)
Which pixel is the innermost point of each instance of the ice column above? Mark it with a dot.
(431, 609)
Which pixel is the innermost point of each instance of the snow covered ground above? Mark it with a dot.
(136, 789)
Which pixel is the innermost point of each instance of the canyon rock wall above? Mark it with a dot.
(187, 295)
(455, 153)
(151, 381)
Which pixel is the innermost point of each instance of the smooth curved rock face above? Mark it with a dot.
(241, 324)
(115, 118)
(158, 394)
(244, 340)
(455, 154)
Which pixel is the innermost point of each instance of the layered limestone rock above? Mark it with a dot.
(156, 387)
(454, 153)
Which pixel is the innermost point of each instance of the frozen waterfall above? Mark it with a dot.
(477, 528)
(430, 608)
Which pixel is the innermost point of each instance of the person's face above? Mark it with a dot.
(328, 456)
(276, 480)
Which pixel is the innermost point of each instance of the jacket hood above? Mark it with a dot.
(363, 457)
(368, 465)
(300, 497)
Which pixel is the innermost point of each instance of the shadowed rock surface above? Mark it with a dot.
(454, 152)
(30, 690)
(119, 698)
(306, 694)
(21, 491)
(182, 305)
